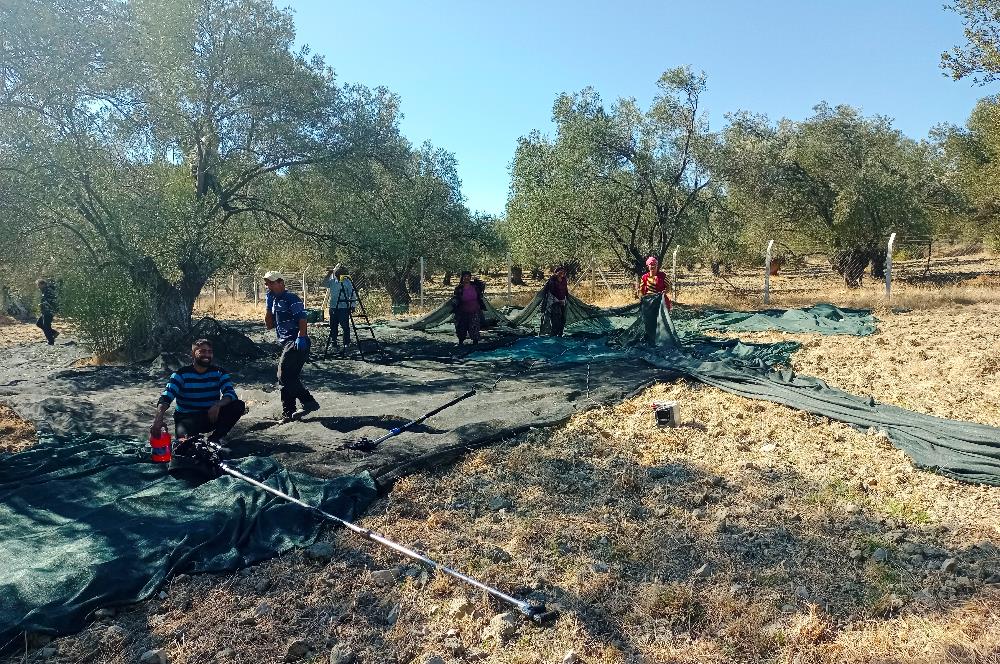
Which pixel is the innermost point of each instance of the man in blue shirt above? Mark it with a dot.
(206, 399)
(286, 315)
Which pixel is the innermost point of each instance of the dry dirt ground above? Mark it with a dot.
(751, 533)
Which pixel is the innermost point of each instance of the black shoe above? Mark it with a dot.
(286, 418)
(306, 408)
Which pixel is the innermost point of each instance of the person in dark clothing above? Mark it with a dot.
(286, 315)
(555, 296)
(205, 396)
(468, 305)
(48, 310)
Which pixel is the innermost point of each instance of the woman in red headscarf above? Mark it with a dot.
(654, 282)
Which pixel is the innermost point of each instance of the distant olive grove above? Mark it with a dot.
(145, 146)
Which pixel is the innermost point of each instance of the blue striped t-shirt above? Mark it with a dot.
(196, 392)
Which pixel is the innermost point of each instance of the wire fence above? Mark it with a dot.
(915, 266)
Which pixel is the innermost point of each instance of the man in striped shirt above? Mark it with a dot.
(206, 399)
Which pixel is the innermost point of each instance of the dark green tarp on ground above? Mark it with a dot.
(821, 318)
(90, 523)
(584, 319)
(963, 450)
(445, 315)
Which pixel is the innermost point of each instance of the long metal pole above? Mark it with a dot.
(534, 612)
(421, 283)
(398, 430)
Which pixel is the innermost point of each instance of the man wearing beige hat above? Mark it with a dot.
(286, 315)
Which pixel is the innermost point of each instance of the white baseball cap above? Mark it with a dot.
(273, 276)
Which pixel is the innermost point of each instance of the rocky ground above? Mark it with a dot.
(753, 532)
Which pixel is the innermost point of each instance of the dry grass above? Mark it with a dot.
(746, 535)
(941, 362)
(16, 333)
(613, 519)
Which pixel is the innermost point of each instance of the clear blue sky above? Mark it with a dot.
(474, 75)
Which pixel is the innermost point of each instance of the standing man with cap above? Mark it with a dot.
(286, 315)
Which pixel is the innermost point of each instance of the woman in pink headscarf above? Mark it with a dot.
(654, 282)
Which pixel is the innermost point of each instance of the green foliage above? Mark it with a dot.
(970, 157)
(979, 57)
(380, 216)
(618, 184)
(109, 311)
(146, 137)
(837, 181)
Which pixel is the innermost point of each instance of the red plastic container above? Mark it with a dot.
(161, 447)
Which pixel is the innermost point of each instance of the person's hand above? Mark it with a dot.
(213, 412)
(156, 428)
(302, 343)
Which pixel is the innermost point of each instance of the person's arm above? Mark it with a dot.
(298, 310)
(174, 387)
(228, 393)
(268, 314)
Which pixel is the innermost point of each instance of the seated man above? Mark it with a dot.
(206, 399)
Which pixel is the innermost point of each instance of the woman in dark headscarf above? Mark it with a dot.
(468, 306)
(555, 296)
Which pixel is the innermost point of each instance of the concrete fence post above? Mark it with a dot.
(767, 272)
(673, 274)
(888, 266)
(510, 278)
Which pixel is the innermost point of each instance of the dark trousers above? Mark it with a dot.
(189, 424)
(340, 319)
(44, 322)
(557, 318)
(467, 325)
(289, 378)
